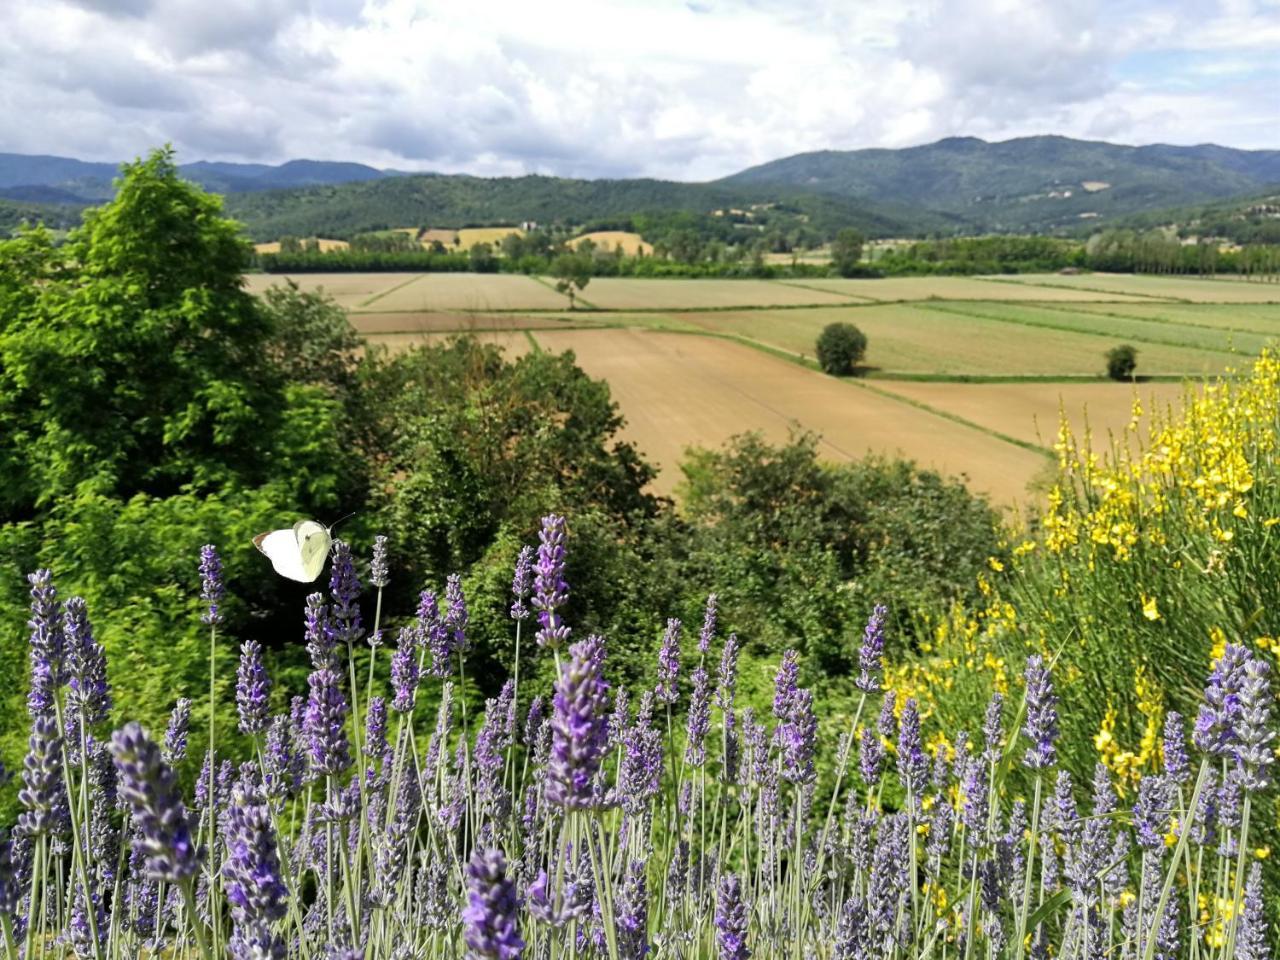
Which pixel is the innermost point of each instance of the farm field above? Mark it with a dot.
(914, 339)
(677, 391)
(1031, 411)
(667, 348)
(1191, 289)
(632, 243)
(348, 290)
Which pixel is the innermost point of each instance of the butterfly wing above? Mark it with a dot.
(282, 549)
(314, 542)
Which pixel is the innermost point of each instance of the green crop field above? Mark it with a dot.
(692, 362)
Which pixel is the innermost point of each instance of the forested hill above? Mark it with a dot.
(1028, 184)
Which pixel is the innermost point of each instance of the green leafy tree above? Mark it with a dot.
(572, 272)
(840, 347)
(1121, 362)
(846, 252)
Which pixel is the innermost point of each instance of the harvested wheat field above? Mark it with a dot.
(1030, 411)
(904, 338)
(1191, 289)
(326, 246)
(609, 240)
(1260, 318)
(513, 344)
(478, 292)
(678, 391)
(634, 293)
(468, 237)
(960, 288)
(350, 290)
(444, 322)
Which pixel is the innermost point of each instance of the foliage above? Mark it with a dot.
(846, 252)
(572, 272)
(840, 347)
(974, 255)
(1121, 362)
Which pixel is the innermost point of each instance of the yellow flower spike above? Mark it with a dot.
(995, 564)
(1219, 639)
(1261, 853)
(1150, 609)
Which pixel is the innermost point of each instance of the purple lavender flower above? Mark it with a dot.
(913, 765)
(728, 684)
(579, 726)
(319, 633)
(379, 571)
(433, 635)
(253, 686)
(1229, 799)
(551, 592)
(1255, 753)
(456, 617)
(887, 721)
(212, 587)
(1151, 812)
(799, 736)
(162, 828)
(870, 756)
(284, 765)
(698, 723)
(669, 663)
(89, 693)
(633, 914)
(993, 729)
(48, 643)
(785, 683)
(344, 588)
(1177, 766)
(375, 732)
(871, 653)
(43, 795)
(10, 887)
(974, 802)
(620, 719)
(709, 617)
(520, 583)
(731, 920)
(325, 723)
(251, 878)
(1062, 813)
(1251, 936)
(1204, 823)
(404, 671)
(490, 917)
(175, 736)
(1042, 718)
(1215, 729)
(640, 771)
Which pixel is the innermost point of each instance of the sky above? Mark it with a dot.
(615, 88)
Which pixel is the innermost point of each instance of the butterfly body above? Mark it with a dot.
(298, 553)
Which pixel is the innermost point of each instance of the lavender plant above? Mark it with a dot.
(360, 828)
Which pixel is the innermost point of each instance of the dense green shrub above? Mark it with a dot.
(840, 346)
(1121, 362)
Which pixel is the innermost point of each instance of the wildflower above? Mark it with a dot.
(48, 643)
(728, 674)
(319, 633)
(344, 588)
(252, 688)
(551, 592)
(784, 684)
(325, 723)
(251, 878)
(379, 572)
(1042, 718)
(731, 920)
(633, 914)
(871, 653)
(1251, 938)
(870, 756)
(579, 726)
(1177, 765)
(913, 765)
(456, 617)
(993, 729)
(1150, 609)
(799, 735)
(43, 795)
(698, 723)
(89, 693)
(175, 735)
(709, 618)
(1219, 715)
(490, 917)
(284, 764)
(432, 633)
(212, 587)
(887, 722)
(163, 833)
(669, 663)
(1255, 754)
(404, 671)
(10, 892)
(520, 583)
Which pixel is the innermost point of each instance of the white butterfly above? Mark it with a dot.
(298, 553)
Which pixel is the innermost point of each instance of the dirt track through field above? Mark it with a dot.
(677, 391)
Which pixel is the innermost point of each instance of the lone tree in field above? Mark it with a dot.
(840, 347)
(846, 252)
(572, 272)
(1121, 362)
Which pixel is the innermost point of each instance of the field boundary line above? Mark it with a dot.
(808, 286)
(1067, 286)
(1169, 321)
(1068, 329)
(534, 345)
(578, 297)
(390, 290)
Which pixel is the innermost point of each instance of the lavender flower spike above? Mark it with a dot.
(698, 723)
(379, 572)
(520, 583)
(490, 917)
(1215, 728)
(404, 671)
(175, 737)
(163, 831)
(551, 592)
(785, 683)
(212, 587)
(48, 643)
(709, 617)
(90, 693)
(1251, 937)
(579, 726)
(1041, 726)
(1177, 765)
(252, 688)
(251, 878)
(913, 765)
(1256, 754)
(731, 920)
(42, 794)
(669, 663)
(344, 587)
(871, 653)
(325, 723)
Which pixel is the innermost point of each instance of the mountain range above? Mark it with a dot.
(1041, 184)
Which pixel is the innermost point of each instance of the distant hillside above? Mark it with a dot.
(1251, 219)
(1029, 184)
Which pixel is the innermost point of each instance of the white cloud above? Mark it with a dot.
(620, 87)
